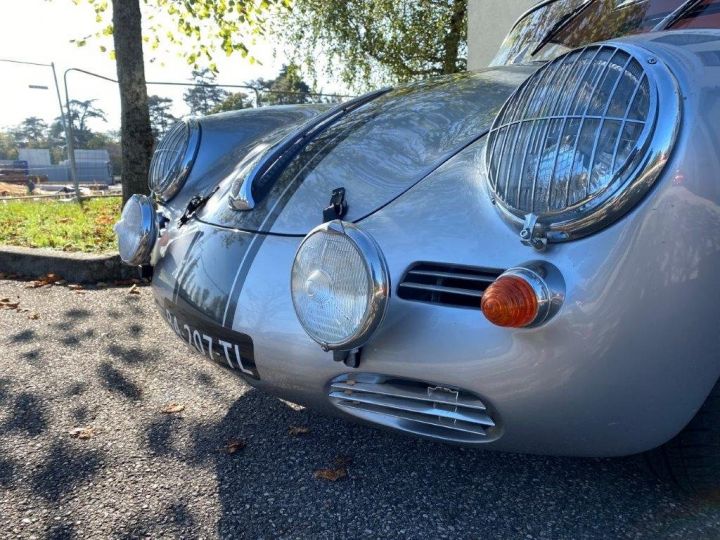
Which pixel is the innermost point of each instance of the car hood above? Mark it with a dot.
(376, 152)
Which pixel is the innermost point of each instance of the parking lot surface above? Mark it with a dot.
(111, 427)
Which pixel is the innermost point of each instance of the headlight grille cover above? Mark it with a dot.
(173, 158)
(576, 135)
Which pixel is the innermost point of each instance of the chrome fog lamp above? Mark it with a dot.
(137, 230)
(340, 285)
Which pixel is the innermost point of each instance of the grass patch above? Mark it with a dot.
(67, 226)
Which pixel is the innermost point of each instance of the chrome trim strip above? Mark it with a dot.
(442, 289)
(392, 390)
(675, 15)
(416, 407)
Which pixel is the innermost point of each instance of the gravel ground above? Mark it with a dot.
(103, 360)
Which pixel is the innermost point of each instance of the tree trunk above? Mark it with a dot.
(136, 135)
(453, 37)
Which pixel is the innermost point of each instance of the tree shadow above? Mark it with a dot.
(434, 486)
(23, 336)
(117, 382)
(132, 355)
(28, 415)
(64, 469)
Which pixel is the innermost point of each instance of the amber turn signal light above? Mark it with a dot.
(510, 301)
(524, 296)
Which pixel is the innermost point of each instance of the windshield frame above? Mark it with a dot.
(537, 43)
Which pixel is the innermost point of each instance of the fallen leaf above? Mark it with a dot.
(296, 431)
(6, 303)
(234, 445)
(82, 433)
(49, 279)
(134, 290)
(331, 475)
(173, 408)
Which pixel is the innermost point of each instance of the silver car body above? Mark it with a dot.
(622, 368)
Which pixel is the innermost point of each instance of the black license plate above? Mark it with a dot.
(218, 344)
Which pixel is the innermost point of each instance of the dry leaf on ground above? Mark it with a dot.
(331, 475)
(173, 408)
(234, 445)
(296, 431)
(337, 471)
(49, 279)
(6, 303)
(82, 433)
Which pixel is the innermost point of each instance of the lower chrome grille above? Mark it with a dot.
(435, 411)
(451, 285)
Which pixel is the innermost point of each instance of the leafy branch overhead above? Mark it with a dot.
(371, 42)
(195, 28)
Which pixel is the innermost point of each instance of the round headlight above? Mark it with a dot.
(339, 285)
(137, 230)
(582, 140)
(173, 159)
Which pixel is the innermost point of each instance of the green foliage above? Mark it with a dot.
(8, 146)
(370, 42)
(66, 226)
(161, 119)
(287, 88)
(198, 28)
(80, 112)
(31, 133)
(204, 97)
(234, 102)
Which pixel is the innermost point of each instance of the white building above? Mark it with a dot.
(488, 22)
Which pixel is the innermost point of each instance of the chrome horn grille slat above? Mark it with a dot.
(435, 411)
(444, 284)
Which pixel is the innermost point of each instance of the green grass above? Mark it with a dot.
(67, 226)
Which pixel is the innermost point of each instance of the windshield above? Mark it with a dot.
(558, 26)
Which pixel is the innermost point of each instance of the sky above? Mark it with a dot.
(41, 30)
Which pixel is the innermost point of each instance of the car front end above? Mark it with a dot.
(545, 281)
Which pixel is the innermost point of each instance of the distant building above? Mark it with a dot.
(93, 166)
(488, 23)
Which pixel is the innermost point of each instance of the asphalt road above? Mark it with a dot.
(103, 360)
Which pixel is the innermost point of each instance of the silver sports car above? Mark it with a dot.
(524, 258)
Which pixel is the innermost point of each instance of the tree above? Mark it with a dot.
(369, 42)
(287, 88)
(8, 147)
(79, 114)
(197, 28)
(205, 96)
(161, 119)
(31, 133)
(234, 102)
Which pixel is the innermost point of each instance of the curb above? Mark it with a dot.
(72, 267)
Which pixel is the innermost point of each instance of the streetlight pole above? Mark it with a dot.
(67, 128)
